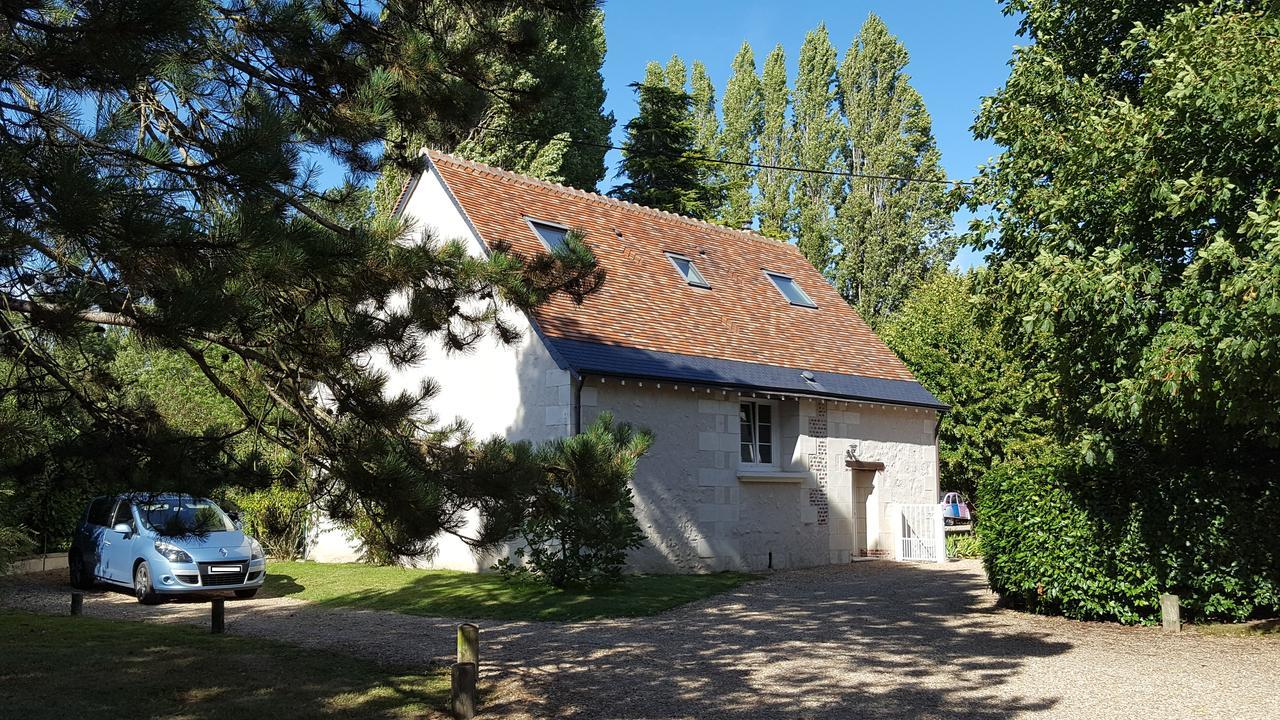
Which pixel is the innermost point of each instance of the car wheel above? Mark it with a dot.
(246, 593)
(142, 588)
(81, 576)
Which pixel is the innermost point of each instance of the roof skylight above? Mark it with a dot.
(790, 290)
(553, 236)
(688, 270)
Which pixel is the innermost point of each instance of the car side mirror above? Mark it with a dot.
(235, 519)
(123, 528)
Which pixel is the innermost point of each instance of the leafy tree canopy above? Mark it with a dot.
(1137, 248)
(161, 162)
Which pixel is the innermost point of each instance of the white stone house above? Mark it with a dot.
(786, 431)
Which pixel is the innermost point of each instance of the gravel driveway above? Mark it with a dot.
(873, 639)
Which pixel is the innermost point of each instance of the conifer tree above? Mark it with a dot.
(815, 129)
(545, 116)
(743, 108)
(774, 149)
(659, 156)
(158, 163)
(891, 233)
(560, 100)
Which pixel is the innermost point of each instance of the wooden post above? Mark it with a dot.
(469, 643)
(1171, 613)
(218, 619)
(466, 672)
(462, 700)
(77, 602)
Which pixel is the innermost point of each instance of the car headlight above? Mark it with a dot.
(172, 553)
(256, 548)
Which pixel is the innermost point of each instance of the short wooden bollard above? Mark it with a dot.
(1171, 613)
(463, 698)
(218, 616)
(77, 602)
(466, 672)
(469, 643)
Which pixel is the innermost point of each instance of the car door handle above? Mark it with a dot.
(106, 542)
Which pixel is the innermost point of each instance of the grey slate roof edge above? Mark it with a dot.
(591, 358)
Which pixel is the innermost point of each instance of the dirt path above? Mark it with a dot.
(870, 639)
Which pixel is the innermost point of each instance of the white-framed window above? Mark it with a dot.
(790, 289)
(688, 271)
(551, 234)
(758, 433)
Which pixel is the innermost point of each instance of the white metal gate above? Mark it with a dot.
(919, 535)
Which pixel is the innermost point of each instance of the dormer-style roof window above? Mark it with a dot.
(551, 235)
(790, 290)
(688, 270)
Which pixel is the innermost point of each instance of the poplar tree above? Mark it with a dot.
(743, 108)
(892, 233)
(707, 135)
(676, 75)
(774, 149)
(159, 162)
(815, 130)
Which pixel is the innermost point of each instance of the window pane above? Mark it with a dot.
(123, 514)
(766, 413)
(688, 271)
(791, 291)
(766, 453)
(747, 454)
(100, 511)
(554, 237)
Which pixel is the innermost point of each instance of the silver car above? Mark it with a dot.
(164, 545)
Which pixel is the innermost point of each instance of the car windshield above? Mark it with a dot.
(184, 516)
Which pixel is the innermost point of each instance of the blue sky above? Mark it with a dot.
(959, 49)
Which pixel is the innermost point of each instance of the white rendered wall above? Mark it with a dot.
(699, 515)
(513, 391)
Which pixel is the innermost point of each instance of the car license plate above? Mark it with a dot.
(225, 569)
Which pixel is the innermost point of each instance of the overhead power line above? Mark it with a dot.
(721, 161)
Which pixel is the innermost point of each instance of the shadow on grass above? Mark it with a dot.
(444, 593)
(61, 667)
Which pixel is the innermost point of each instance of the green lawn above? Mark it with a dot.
(462, 595)
(78, 667)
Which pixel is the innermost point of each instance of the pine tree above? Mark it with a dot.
(659, 155)
(815, 129)
(563, 102)
(545, 117)
(158, 167)
(743, 123)
(774, 149)
(892, 233)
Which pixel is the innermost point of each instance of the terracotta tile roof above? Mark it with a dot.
(645, 304)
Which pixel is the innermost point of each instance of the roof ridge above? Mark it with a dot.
(598, 197)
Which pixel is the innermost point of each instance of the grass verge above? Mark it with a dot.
(445, 593)
(73, 667)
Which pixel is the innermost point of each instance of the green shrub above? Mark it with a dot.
(964, 545)
(276, 517)
(15, 544)
(580, 523)
(1104, 543)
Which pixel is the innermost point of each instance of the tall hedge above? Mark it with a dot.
(1054, 543)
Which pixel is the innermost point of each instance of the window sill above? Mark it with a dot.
(771, 476)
